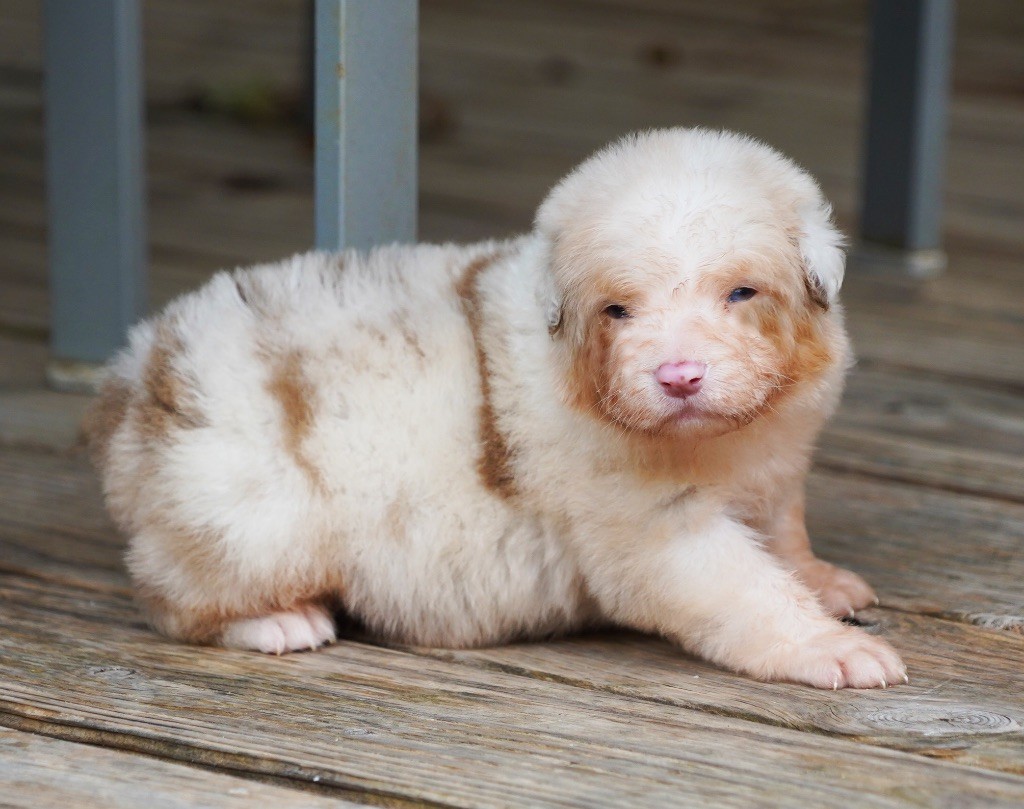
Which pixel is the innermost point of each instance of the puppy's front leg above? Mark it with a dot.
(840, 591)
(718, 593)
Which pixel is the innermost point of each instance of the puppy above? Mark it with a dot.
(606, 421)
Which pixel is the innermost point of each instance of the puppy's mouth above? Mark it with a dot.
(695, 414)
(688, 411)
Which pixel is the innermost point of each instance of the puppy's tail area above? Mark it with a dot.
(104, 417)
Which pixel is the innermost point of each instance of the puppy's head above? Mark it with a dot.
(694, 282)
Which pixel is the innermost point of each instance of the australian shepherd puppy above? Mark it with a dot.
(606, 421)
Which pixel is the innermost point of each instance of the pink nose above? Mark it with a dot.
(681, 379)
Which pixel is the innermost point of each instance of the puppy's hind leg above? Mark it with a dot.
(195, 592)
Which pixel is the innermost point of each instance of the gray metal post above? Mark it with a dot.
(94, 172)
(365, 64)
(904, 166)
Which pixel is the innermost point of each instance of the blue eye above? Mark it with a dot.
(741, 294)
(616, 311)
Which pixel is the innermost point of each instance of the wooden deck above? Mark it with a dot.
(919, 483)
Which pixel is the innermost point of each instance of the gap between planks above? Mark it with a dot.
(938, 482)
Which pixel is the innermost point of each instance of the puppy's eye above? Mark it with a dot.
(741, 294)
(617, 312)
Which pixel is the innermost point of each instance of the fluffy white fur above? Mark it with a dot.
(460, 445)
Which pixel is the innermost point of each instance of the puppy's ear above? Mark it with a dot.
(821, 247)
(554, 314)
(550, 300)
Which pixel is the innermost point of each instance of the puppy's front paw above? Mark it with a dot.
(843, 658)
(841, 592)
(307, 627)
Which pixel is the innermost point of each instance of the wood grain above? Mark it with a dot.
(966, 569)
(963, 704)
(391, 723)
(53, 524)
(910, 460)
(924, 550)
(38, 772)
(928, 429)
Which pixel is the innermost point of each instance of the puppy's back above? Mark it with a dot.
(269, 396)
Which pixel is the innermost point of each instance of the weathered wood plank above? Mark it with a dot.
(964, 702)
(53, 524)
(987, 39)
(545, 112)
(247, 230)
(930, 430)
(976, 472)
(38, 772)
(959, 416)
(944, 340)
(959, 553)
(390, 723)
(41, 418)
(924, 550)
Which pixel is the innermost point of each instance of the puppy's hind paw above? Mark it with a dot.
(307, 627)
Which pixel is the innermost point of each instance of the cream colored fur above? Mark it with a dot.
(460, 446)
